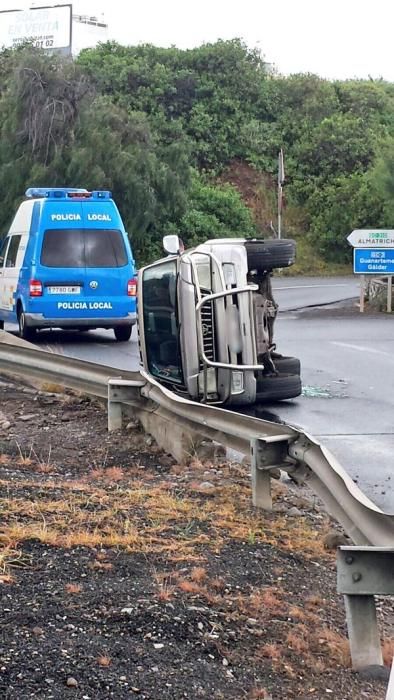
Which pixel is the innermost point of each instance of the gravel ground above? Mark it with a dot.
(124, 574)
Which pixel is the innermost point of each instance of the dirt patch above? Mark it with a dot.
(123, 574)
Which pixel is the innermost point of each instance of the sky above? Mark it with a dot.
(335, 39)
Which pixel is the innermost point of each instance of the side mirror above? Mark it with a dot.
(173, 245)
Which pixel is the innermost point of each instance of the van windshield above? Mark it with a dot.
(83, 248)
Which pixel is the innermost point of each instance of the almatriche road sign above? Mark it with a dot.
(372, 238)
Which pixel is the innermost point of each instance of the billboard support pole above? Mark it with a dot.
(389, 293)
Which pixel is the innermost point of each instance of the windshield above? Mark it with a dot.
(83, 248)
(160, 321)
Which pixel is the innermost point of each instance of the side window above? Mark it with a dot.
(3, 249)
(10, 260)
(161, 321)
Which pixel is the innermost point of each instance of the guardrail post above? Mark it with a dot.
(362, 573)
(114, 406)
(363, 631)
(261, 479)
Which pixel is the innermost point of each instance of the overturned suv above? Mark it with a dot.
(206, 321)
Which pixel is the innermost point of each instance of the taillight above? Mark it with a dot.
(132, 288)
(35, 288)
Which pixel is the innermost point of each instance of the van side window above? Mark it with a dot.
(13, 251)
(3, 250)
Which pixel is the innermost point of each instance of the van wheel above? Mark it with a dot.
(1, 325)
(24, 331)
(123, 333)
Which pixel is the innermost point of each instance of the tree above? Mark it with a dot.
(214, 212)
(347, 203)
(382, 180)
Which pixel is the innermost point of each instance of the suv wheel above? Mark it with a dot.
(278, 388)
(286, 365)
(264, 255)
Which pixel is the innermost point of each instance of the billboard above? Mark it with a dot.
(46, 27)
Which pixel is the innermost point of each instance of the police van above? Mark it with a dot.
(66, 262)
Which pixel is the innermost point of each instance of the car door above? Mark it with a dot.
(3, 253)
(11, 269)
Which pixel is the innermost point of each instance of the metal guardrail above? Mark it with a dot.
(169, 416)
(25, 359)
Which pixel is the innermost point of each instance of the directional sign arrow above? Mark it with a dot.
(372, 238)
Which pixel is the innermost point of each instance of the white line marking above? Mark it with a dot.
(363, 348)
(313, 286)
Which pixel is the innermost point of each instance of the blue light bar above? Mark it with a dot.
(58, 192)
(101, 194)
(66, 193)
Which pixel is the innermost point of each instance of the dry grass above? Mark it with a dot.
(296, 640)
(258, 694)
(104, 661)
(166, 593)
(112, 508)
(52, 387)
(147, 517)
(10, 558)
(335, 645)
(218, 584)
(198, 574)
(73, 588)
(270, 651)
(98, 565)
(190, 587)
(264, 602)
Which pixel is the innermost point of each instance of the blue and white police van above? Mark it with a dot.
(66, 262)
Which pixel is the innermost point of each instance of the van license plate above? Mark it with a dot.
(64, 290)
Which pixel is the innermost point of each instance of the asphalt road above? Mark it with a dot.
(348, 391)
(299, 292)
(347, 371)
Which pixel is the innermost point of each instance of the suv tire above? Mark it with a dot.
(278, 388)
(267, 254)
(287, 365)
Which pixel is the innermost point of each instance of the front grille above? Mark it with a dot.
(208, 332)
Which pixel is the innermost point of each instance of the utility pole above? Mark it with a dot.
(281, 179)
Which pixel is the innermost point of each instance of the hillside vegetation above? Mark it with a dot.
(187, 141)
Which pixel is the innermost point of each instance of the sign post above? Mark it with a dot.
(373, 255)
(281, 179)
(362, 293)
